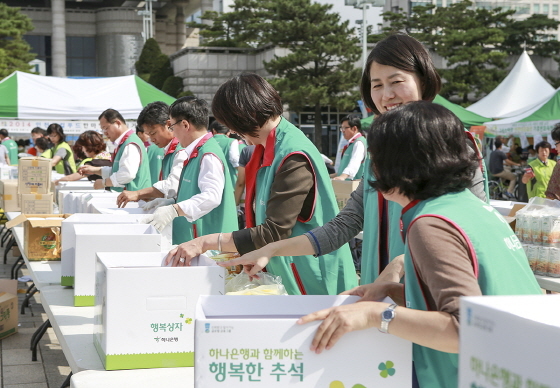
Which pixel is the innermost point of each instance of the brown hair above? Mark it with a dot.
(92, 141)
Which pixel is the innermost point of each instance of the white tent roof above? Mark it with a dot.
(521, 89)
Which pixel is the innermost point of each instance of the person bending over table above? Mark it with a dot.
(455, 244)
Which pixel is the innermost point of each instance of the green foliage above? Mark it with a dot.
(14, 50)
(162, 70)
(536, 33)
(185, 93)
(147, 63)
(173, 86)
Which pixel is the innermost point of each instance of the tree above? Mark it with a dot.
(14, 50)
(537, 33)
(319, 67)
(148, 61)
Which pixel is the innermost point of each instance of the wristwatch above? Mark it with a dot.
(387, 316)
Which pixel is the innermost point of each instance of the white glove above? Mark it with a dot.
(157, 203)
(161, 217)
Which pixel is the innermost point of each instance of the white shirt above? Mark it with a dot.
(358, 155)
(128, 165)
(211, 182)
(3, 153)
(170, 185)
(233, 156)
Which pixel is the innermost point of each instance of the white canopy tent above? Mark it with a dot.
(28, 100)
(520, 90)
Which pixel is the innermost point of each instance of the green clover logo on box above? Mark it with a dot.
(386, 369)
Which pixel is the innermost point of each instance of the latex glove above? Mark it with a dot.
(153, 204)
(161, 217)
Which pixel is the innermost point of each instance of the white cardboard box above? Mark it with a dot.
(254, 341)
(93, 238)
(63, 194)
(69, 238)
(509, 341)
(144, 313)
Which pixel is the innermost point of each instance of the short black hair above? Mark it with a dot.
(39, 131)
(57, 130)
(543, 144)
(404, 53)
(196, 111)
(218, 127)
(4, 132)
(556, 132)
(43, 143)
(112, 115)
(420, 150)
(353, 121)
(245, 103)
(497, 143)
(155, 113)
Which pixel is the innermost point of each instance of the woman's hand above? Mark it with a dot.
(252, 262)
(377, 291)
(340, 320)
(184, 253)
(89, 170)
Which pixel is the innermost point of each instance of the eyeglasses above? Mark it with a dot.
(343, 128)
(556, 142)
(170, 127)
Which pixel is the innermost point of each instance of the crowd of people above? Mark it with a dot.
(420, 204)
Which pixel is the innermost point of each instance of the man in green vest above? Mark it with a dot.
(205, 202)
(229, 146)
(155, 153)
(10, 145)
(130, 168)
(354, 153)
(153, 120)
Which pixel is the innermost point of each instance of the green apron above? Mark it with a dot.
(83, 162)
(168, 157)
(542, 175)
(225, 144)
(222, 218)
(329, 274)
(155, 157)
(382, 239)
(46, 154)
(12, 147)
(499, 264)
(142, 178)
(68, 160)
(347, 156)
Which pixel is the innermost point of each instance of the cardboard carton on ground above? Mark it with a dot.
(254, 341)
(509, 341)
(36, 203)
(144, 313)
(8, 308)
(69, 238)
(94, 238)
(343, 189)
(41, 235)
(9, 198)
(34, 175)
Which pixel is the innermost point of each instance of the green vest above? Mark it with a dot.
(68, 159)
(329, 274)
(347, 156)
(382, 239)
(155, 158)
(47, 154)
(142, 178)
(12, 147)
(83, 162)
(167, 162)
(542, 173)
(499, 264)
(225, 144)
(222, 218)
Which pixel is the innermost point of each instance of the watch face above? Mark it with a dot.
(388, 314)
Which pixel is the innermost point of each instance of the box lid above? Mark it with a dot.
(37, 223)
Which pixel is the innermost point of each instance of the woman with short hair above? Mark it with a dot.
(62, 155)
(541, 171)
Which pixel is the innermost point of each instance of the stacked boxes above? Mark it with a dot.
(342, 191)
(34, 184)
(9, 199)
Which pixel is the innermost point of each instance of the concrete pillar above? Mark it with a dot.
(58, 41)
(181, 35)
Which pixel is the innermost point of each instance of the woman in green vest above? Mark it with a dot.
(90, 144)
(288, 191)
(541, 170)
(448, 254)
(62, 155)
